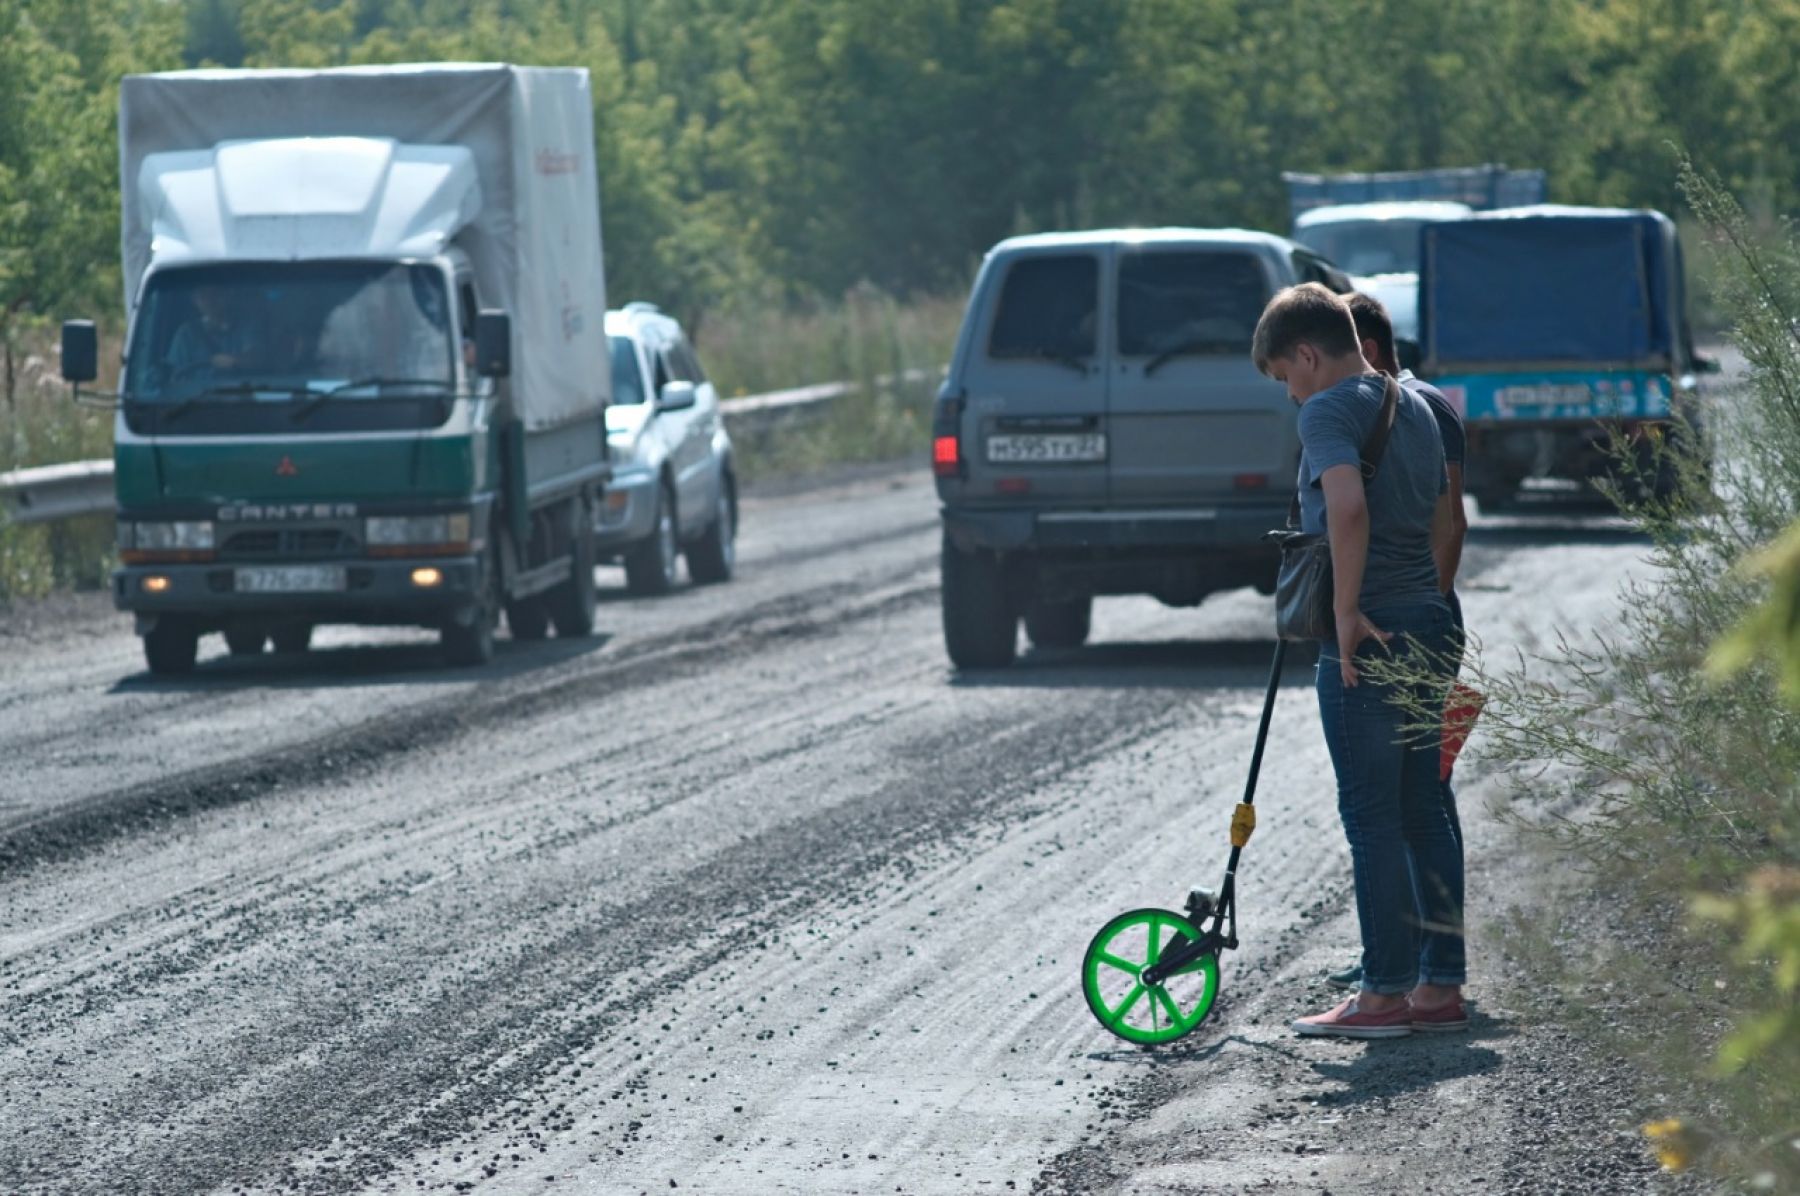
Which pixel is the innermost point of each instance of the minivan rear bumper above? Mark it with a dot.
(1035, 529)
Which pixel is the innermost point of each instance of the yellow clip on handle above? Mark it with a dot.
(1243, 821)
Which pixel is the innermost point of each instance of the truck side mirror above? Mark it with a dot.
(676, 396)
(493, 344)
(80, 351)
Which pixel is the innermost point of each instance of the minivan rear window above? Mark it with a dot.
(1189, 302)
(1048, 308)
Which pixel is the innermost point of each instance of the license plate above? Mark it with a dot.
(291, 579)
(1047, 447)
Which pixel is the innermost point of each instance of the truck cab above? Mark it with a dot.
(364, 378)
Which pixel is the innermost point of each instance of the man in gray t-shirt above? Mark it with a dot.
(1402, 496)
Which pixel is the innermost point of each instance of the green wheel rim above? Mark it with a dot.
(1135, 1011)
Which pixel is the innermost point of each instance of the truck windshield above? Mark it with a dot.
(1366, 247)
(275, 332)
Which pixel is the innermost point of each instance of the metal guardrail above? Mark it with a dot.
(52, 492)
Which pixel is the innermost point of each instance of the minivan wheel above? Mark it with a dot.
(650, 564)
(1062, 624)
(980, 629)
(292, 637)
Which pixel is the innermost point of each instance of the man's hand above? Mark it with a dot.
(1353, 627)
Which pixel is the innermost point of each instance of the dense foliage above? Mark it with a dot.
(786, 148)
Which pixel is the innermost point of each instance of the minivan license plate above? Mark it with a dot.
(1047, 447)
(291, 579)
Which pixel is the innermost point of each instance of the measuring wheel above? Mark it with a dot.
(1111, 977)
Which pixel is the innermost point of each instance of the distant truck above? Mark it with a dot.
(366, 369)
(1553, 329)
(1368, 224)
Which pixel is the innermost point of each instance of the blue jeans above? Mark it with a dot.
(1405, 844)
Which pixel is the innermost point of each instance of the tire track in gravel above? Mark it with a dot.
(80, 826)
(480, 1043)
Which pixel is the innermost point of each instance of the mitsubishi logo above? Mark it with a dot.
(286, 468)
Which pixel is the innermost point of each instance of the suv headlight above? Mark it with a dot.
(184, 535)
(411, 531)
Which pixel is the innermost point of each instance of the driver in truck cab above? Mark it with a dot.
(214, 338)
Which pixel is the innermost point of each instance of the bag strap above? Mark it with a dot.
(1373, 448)
(1376, 444)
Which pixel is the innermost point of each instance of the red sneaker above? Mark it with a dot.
(1445, 1019)
(1347, 1021)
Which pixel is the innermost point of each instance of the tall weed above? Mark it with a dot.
(1679, 787)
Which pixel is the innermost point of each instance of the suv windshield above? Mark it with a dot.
(1366, 246)
(627, 378)
(274, 332)
(1182, 301)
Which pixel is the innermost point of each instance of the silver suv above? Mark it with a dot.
(673, 489)
(1102, 430)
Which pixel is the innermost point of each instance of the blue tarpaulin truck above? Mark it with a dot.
(1557, 330)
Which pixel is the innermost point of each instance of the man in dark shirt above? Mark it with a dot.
(1375, 329)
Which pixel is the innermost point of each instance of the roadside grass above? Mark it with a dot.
(892, 352)
(1677, 792)
(40, 424)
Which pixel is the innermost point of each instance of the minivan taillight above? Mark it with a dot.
(946, 456)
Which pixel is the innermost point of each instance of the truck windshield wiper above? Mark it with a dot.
(234, 390)
(318, 399)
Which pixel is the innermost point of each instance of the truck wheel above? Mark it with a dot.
(715, 556)
(1059, 624)
(571, 604)
(245, 641)
(980, 629)
(528, 619)
(292, 637)
(650, 565)
(473, 643)
(170, 647)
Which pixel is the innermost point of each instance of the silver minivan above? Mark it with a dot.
(1102, 430)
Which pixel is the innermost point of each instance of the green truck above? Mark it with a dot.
(365, 374)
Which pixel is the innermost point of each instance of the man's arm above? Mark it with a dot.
(1347, 524)
(1449, 527)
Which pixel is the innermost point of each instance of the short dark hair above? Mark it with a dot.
(1374, 324)
(1307, 314)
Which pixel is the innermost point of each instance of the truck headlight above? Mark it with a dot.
(182, 540)
(184, 535)
(399, 534)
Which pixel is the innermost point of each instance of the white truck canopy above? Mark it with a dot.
(387, 162)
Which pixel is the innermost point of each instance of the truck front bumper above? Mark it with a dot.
(374, 592)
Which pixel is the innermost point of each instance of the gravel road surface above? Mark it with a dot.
(746, 893)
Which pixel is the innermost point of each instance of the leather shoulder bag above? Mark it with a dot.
(1303, 587)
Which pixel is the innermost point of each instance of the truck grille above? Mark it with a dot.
(289, 543)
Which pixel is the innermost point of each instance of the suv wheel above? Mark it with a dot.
(650, 565)
(1062, 624)
(714, 557)
(980, 629)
